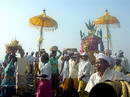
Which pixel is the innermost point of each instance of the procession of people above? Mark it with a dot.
(68, 72)
(60, 73)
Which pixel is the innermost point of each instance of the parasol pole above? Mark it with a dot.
(107, 30)
(42, 21)
(41, 33)
(40, 41)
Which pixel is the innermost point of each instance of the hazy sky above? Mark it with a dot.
(71, 16)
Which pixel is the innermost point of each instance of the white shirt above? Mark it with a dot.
(85, 68)
(109, 74)
(125, 64)
(30, 59)
(46, 69)
(22, 65)
(65, 72)
(73, 69)
(36, 59)
(40, 63)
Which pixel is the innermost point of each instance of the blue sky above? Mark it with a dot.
(70, 15)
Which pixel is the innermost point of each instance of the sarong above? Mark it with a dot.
(64, 85)
(55, 81)
(81, 86)
(21, 83)
(44, 88)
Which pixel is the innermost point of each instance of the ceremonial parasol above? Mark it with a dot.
(107, 20)
(43, 22)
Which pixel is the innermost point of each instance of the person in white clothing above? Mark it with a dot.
(44, 82)
(124, 61)
(84, 72)
(31, 62)
(22, 70)
(64, 74)
(46, 67)
(42, 52)
(104, 72)
(73, 74)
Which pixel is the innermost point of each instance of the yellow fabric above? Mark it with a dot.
(83, 94)
(128, 74)
(36, 69)
(76, 83)
(128, 87)
(116, 85)
(64, 85)
(81, 86)
(125, 92)
(118, 68)
(122, 88)
(43, 21)
(106, 19)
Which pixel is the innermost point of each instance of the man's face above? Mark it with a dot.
(22, 53)
(101, 65)
(53, 54)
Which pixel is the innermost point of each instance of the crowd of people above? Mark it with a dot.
(60, 74)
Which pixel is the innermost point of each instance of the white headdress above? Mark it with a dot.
(102, 56)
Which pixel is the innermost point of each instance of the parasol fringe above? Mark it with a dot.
(44, 28)
(109, 25)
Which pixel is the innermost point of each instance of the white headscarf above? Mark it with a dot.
(102, 56)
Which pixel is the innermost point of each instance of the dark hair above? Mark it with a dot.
(42, 51)
(53, 53)
(12, 58)
(45, 58)
(102, 90)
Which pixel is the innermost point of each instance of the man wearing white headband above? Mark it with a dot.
(104, 72)
(84, 72)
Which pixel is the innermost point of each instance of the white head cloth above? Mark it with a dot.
(102, 56)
